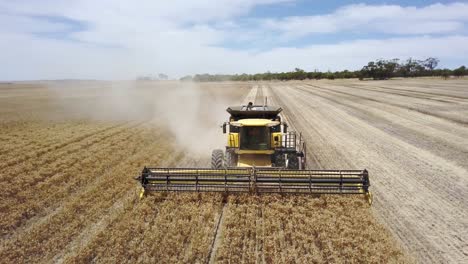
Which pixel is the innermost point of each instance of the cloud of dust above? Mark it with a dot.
(193, 114)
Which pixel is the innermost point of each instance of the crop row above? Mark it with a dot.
(53, 141)
(49, 238)
(19, 138)
(32, 191)
(274, 229)
(173, 228)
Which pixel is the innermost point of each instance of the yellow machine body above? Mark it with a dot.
(260, 156)
(254, 157)
(254, 160)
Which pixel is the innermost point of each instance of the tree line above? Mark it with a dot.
(385, 69)
(158, 77)
(378, 70)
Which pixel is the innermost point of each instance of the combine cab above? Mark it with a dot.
(258, 138)
(261, 156)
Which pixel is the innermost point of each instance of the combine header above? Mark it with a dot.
(261, 156)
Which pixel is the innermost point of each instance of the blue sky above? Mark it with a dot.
(53, 39)
(307, 7)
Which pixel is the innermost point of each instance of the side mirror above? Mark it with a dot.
(224, 128)
(285, 128)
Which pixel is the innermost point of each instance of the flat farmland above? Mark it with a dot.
(411, 135)
(69, 152)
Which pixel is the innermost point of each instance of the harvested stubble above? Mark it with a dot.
(411, 135)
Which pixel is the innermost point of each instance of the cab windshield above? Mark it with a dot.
(255, 138)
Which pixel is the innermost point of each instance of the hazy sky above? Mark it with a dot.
(121, 39)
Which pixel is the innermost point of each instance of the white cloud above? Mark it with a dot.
(392, 19)
(86, 61)
(354, 54)
(123, 39)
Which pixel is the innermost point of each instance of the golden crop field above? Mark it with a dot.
(70, 150)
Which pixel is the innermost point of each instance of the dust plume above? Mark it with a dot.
(194, 116)
(192, 113)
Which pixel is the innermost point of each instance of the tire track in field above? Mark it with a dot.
(250, 97)
(418, 96)
(323, 144)
(415, 94)
(416, 209)
(441, 124)
(217, 236)
(455, 176)
(443, 144)
(260, 237)
(456, 171)
(395, 103)
(446, 90)
(422, 111)
(368, 99)
(293, 121)
(259, 98)
(255, 96)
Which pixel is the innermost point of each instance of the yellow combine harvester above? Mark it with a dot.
(261, 156)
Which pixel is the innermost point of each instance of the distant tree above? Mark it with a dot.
(143, 78)
(298, 74)
(267, 76)
(409, 68)
(162, 76)
(330, 75)
(431, 63)
(445, 73)
(187, 78)
(379, 70)
(346, 74)
(459, 72)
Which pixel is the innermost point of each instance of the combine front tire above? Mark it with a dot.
(217, 158)
(280, 160)
(293, 162)
(231, 158)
